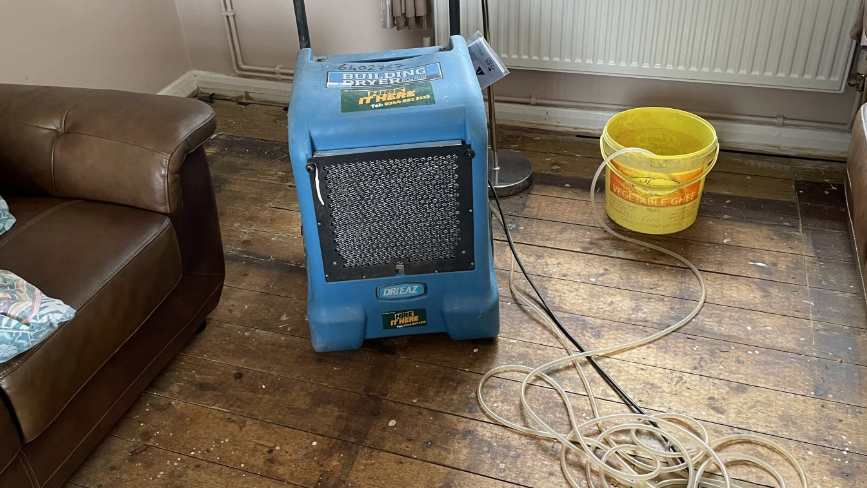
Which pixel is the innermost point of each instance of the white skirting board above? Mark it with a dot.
(739, 136)
(182, 87)
(206, 82)
(249, 88)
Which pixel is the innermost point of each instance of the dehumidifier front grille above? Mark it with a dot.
(400, 209)
(373, 227)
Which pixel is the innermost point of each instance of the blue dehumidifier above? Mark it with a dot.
(389, 153)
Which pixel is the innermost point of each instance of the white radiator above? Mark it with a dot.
(800, 44)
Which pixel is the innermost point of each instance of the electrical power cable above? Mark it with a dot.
(550, 313)
(635, 449)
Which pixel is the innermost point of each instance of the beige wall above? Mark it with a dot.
(268, 36)
(133, 45)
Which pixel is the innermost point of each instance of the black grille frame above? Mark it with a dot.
(335, 263)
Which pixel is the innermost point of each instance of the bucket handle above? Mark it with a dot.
(669, 189)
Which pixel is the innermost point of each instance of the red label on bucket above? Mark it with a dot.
(654, 198)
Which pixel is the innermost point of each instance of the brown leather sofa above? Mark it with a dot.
(117, 218)
(856, 191)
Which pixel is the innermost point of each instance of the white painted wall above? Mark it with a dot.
(268, 35)
(145, 45)
(124, 44)
(268, 38)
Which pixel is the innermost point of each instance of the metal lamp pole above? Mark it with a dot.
(508, 171)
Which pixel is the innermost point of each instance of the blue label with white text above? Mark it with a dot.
(400, 291)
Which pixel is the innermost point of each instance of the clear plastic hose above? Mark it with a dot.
(652, 451)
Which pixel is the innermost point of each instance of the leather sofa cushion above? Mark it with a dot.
(113, 264)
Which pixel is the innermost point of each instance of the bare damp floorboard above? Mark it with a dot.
(778, 350)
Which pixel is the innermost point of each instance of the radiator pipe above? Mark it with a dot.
(238, 65)
(279, 72)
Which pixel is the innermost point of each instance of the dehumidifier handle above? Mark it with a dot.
(454, 17)
(304, 31)
(301, 22)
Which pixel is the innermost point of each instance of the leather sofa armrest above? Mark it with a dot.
(103, 145)
(856, 189)
(196, 222)
(10, 439)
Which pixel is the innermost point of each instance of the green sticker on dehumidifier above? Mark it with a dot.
(407, 318)
(401, 96)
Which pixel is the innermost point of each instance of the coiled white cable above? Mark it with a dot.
(617, 447)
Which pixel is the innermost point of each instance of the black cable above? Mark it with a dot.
(550, 312)
(599, 369)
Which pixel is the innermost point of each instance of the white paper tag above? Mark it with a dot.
(489, 68)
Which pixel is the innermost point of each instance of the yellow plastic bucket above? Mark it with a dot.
(658, 193)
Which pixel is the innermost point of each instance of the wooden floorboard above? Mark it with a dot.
(125, 463)
(779, 348)
(757, 294)
(285, 365)
(272, 263)
(735, 361)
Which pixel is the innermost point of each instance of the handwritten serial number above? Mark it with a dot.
(370, 67)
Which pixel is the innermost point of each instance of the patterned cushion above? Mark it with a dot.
(27, 317)
(6, 218)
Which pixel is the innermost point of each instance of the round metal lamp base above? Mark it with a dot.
(515, 174)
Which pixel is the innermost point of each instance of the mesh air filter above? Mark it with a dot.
(407, 208)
